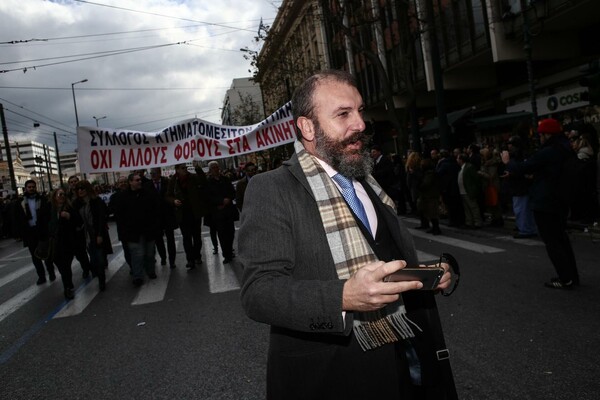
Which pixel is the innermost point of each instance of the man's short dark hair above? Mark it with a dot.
(302, 100)
(28, 181)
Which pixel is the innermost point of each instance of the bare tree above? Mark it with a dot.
(248, 112)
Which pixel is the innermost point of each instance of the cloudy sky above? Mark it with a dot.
(149, 63)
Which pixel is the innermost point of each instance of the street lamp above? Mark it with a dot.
(98, 118)
(74, 102)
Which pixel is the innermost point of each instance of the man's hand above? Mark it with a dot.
(446, 278)
(366, 290)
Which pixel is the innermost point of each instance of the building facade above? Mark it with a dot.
(491, 66)
(39, 160)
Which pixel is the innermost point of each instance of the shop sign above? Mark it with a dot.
(562, 101)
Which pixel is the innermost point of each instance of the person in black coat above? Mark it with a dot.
(447, 170)
(94, 214)
(549, 210)
(115, 209)
(63, 221)
(383, 171)
(187, 193)
(140, 229)
(80, 245)
(223, 212)
(32, 226)
(167, 217)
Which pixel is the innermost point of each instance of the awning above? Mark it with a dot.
(501, 120)
(453, 117)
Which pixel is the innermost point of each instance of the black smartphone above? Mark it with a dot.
(429, 276)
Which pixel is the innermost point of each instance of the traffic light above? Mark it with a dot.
(591, 79)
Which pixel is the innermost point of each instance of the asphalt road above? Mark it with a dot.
(184, 336)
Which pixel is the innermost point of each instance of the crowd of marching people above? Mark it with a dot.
(72, 221)
(471, 187)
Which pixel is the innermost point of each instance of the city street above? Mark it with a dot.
(185, 336)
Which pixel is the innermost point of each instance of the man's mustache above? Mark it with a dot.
(358, 136)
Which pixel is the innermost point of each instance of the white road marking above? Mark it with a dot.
(16, 274)
(86, 293)
(478, 248)
(221, 278)
(11, 257)
(153, 290)
(526, 242)
(18, 300)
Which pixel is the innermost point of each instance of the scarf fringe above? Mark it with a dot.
(374, 329)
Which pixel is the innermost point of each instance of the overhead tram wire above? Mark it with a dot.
(45, 41)
(34, 67)
(38, 114)
(163, 15)
(122, 89)
(36, 120)
(133, 49)
(96, 34)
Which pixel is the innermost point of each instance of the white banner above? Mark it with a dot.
(106, 150)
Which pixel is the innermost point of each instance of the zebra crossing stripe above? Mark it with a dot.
(16, 274)
(154, 290)
(221, 278)
(21, 298)
(86, 293)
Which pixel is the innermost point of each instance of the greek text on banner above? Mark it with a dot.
(107, 150)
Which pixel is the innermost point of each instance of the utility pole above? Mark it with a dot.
(59, 168)
(9, 161)
(529, 63)
(48, 172)
(438, 78)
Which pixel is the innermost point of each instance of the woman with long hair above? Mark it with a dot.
(93, 212)
(62, 222)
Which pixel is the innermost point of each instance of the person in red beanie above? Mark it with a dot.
(549, 209)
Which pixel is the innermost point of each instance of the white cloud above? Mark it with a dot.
(213, 32)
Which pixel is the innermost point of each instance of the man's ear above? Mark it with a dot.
(307, 128)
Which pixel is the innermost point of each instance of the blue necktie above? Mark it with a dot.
(352, 199)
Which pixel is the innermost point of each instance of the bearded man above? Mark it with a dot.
(317, 238)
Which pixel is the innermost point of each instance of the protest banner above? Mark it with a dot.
(103, 149)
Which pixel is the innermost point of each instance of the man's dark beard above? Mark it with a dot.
(334, 153)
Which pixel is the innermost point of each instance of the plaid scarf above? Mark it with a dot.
(351, 251)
